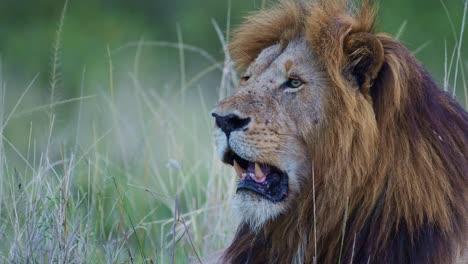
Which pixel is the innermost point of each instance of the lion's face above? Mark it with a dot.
(261, 129)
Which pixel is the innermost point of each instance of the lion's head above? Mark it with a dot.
(264, 125)
(330, 123)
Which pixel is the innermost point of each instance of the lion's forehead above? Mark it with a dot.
(276, 61)
(265, 58)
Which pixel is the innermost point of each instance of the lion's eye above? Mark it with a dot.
(293, 83)
(245, 78)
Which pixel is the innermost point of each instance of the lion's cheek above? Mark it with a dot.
(242, 147)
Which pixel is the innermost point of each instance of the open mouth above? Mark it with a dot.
(261, 179)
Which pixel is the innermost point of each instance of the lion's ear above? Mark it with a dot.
(365, 57)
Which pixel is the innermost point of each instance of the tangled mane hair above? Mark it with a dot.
(390, 179)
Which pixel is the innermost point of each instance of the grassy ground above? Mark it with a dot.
(142, 185)
(132, 176)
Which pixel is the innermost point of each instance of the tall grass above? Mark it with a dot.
(136, 181)
(133, 178)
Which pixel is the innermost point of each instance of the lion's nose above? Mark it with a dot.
(230, 122)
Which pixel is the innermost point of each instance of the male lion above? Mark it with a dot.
(345, 148)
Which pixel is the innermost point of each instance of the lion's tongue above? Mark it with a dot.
(259, 171)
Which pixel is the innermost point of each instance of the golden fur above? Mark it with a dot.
(392, 163)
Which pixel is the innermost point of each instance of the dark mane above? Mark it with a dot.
(420, 217)
(394, 167)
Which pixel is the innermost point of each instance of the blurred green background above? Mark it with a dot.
(430, 28)
(27, 30)
(123, 148)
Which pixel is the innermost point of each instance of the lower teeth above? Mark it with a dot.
(248, 174)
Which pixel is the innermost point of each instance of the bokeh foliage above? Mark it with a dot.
(28, 27)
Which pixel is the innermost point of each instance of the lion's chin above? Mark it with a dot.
(262, 191)
(255, 210)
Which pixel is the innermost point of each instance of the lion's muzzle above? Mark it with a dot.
(231, 122)
(255, 177)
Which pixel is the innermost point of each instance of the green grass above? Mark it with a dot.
(131, 178)
(135, 179)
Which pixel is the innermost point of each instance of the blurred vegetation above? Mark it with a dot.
(91, 27)
(27, 31)
(28, 27)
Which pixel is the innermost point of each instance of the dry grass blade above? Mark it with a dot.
(4, 124)
(460, 43)
(55, 74)
(343, 231)
(181, 220)
(174, 224)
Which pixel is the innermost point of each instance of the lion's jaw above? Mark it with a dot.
(274, 118)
